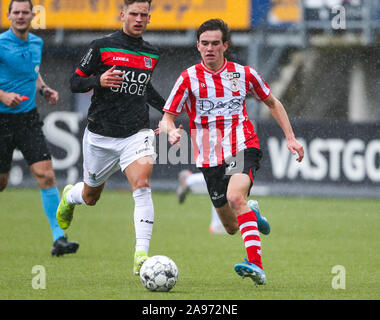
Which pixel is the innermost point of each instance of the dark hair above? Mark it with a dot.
(215, 24)
(129, 2)
(11, 4)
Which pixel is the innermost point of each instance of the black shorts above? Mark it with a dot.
(24, 132)
(217, 178)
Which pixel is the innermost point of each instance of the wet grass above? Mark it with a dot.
(310, 236)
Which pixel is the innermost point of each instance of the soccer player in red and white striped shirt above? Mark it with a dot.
(226, 147)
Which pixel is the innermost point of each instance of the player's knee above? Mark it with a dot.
(45, 178)
(141, 183)
(50, 178)
(235, 200)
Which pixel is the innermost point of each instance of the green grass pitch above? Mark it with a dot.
(309, 237)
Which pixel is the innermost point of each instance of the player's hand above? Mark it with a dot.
(295, 147)
(111, 78)
(11, 99)
(50, 95)
(175, 135)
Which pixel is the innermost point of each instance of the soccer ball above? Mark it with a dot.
(159, 273)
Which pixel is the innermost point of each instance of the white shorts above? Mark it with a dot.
(103, 156)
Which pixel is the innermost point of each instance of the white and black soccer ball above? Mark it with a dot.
(159, 273)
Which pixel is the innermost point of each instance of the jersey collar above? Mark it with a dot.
(217, 71)
(16, 38)
(131, 39)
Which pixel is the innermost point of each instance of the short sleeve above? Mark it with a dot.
(257, 85)
(178, 95)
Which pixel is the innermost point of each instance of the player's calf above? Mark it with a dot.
(91, 195)
(228, 219)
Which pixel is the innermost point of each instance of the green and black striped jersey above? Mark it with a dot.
(123, 111)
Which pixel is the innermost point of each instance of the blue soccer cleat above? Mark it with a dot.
(262, 222)
(249, 269)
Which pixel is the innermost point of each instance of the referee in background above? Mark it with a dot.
(20, 124)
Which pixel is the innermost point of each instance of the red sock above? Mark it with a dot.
(248, 228)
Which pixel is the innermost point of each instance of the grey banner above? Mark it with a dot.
(341, 158)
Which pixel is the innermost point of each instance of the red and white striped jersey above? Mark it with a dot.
(215, 103)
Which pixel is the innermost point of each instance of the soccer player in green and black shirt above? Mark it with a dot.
(119, 69)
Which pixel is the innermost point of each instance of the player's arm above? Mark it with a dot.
(50, 95)
(87, 77)
(280, 115)
(10, 99)
(80, 83)
(155, 100)
(83, 80)
(173, 108)
(167, 125)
